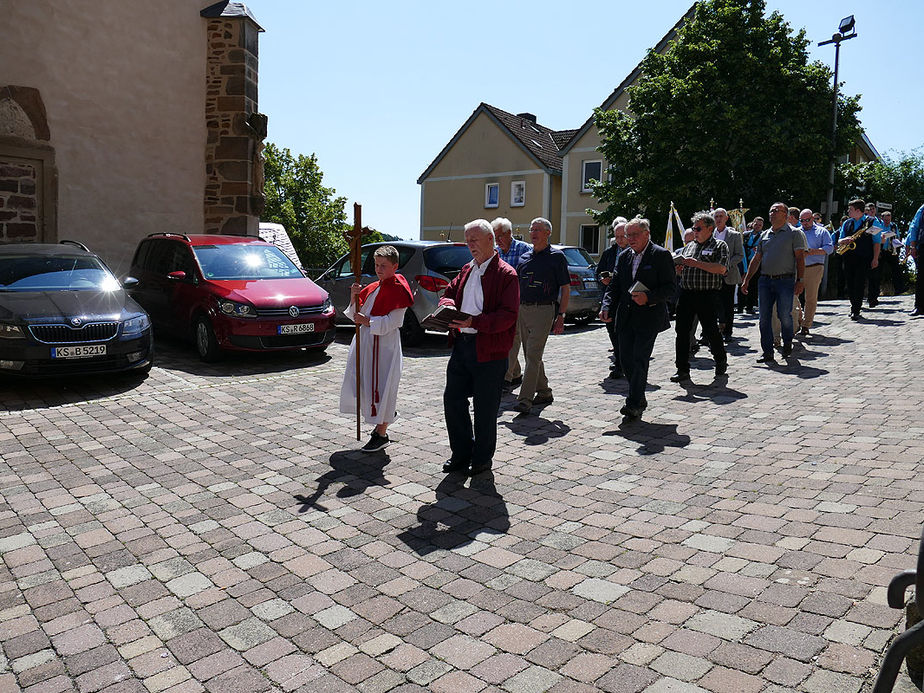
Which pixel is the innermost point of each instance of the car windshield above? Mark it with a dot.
(55, 273)
(245, 261)
(577, 257)
(446, 259)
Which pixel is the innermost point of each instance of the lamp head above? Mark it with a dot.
(846, 25)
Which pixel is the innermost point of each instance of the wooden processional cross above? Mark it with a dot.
(355, 239)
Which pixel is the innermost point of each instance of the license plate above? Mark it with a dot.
(296, 329)
(78, 352)
(590, 285)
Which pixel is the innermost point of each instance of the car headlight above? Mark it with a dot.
(10, 331)
(326, 305)
(135, 325)
(238, 310)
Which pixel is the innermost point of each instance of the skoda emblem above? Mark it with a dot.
(75, 322)
(293, 311)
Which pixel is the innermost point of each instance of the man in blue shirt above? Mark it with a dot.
(510, 250)
(820, 245)
(545, 287)
(864, 257)
(914, 233)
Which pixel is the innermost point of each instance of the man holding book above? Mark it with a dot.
(486, 290)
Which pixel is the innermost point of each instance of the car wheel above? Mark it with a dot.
(206, 344)
(412, 334)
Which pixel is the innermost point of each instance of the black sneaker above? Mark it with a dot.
(376, 442)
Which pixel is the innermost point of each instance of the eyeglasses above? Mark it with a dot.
(806, 219)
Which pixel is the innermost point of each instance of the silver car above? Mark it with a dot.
(428, 266)
(584, 303)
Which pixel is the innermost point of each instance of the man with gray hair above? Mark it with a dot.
(638, 297)
(510, 251)
(545, 286)
(486, 289)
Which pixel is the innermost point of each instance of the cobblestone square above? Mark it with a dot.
(214, 528)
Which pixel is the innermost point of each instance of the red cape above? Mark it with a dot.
(394, 292)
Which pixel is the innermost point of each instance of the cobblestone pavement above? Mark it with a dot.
(212, 528)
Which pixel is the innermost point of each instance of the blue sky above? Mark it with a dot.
(377, 89)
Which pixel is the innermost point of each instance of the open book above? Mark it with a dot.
(440, 318)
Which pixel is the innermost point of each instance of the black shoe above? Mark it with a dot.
(513, 384)
(616, 373)
(916, 312)
(721, 369)
(787, 350)
(854, 316)
(680, 376)
(873, 304)
(451, 466)
(376, 442)
(766, 358)
(727, 338)
(543, 399)
(694, 348)
(482, 468)
(631, 412)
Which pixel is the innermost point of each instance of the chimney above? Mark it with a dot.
(527, 116)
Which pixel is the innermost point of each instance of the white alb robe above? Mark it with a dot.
(386, 327)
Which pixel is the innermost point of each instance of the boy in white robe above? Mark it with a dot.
(381, 314)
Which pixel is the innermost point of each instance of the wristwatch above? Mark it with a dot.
(561, 315)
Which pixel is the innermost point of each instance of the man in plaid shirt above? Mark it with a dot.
(701, 265)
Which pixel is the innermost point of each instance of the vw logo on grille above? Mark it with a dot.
(75, 322)
(293, 311)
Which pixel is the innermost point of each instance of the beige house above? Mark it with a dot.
(497, 164)
(494, 149)
(118, 120)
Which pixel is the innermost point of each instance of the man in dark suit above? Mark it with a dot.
(638, 296)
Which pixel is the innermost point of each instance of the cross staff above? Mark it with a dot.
(355, 238)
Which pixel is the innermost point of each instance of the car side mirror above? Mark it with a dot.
(179, 275)
(129, 282)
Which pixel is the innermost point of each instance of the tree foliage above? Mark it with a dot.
(732, 109)
(296, 198)
(896, 181)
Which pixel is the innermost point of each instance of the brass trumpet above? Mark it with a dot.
(847, 247)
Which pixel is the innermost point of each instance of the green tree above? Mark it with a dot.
(732, 109)
(295, 197)
(897, 181)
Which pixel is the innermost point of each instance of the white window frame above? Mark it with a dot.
(596, 228)
(584, 188)
(487, 195)
(513, 195)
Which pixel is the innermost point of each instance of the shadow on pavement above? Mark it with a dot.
(357, 471)
(536, 430)
(716, 391)
(23, 394)
(458, 516)
(651, 437)
(881, 322)
(178, 355)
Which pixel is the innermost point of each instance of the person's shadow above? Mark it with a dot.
(536, 430)
(717, 391)
(458, 516)
(652, 438)
(356, 470)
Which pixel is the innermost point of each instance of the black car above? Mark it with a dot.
(62, 312)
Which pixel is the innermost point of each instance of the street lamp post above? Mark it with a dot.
(846, 30)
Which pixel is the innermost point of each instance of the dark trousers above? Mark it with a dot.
(857, 271)
(919, 286)
(888, 265)
(727, 308)
(693, 304)
(635, 347)
(614, 340)
(839, 270)
(483, 382)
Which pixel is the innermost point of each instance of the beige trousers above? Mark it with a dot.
(513, 358)
(813, 275)
(535, 324)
